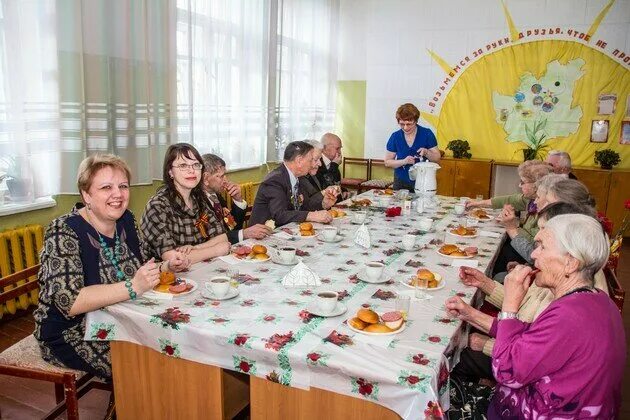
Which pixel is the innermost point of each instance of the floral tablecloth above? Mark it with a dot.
(268, 332)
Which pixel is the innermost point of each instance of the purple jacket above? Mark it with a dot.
(567, 364)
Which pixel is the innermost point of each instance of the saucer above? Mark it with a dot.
(336, 239)
(340, 309)
(232, 293)
(364, 278)
(277, 260)
(367, 220)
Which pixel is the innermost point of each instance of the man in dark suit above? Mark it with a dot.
(560, 161)
(328, 173)
(279, 197)
(215, 182)
(316, 197)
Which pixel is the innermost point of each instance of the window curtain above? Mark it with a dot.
(81, 77)
(222, 78)
(307, 69)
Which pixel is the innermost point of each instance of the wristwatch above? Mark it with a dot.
(507, 315)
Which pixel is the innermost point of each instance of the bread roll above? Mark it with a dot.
(357, 323)
(306, 226)
(271, 224)
(307, 233)
(259, 249)
(377, 328)
(260, 257)
(367, 315)
(448, 249)
(458, 253)
(423, 273)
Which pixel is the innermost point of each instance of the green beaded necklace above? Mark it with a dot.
(112, 255)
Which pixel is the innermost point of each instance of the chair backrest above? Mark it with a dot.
(375, 162)
(356, 161)
(17, 290)
(616, 292)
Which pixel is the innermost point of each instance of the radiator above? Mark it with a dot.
(19, 249)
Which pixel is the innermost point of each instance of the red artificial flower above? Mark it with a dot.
(393, 211)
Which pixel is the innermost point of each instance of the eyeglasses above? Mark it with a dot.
(406, 124)
(184, 166)
(521, 183)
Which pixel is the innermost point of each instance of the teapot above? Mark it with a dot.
(424, 174)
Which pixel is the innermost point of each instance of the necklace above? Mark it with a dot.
(112, 254)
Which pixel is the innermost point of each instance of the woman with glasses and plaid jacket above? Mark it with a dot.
(179, 218)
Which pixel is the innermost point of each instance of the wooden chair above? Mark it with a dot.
(616, 292)
(354, 183)
(376, 184)
(24, 359)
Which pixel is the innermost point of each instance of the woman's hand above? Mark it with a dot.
(177, 261)
(222, 248)
(508, 218)
(473, 203)
(516, 286)
(472, 277)
(477, 341)
(456, 307)
(146, 278)
(409, 160)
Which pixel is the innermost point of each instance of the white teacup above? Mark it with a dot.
(425, 224)
(460, 209)
(386, 200)
(374, 270)
(409, 241)
(359, 216)
(326, 301)
(218, 286)
(329, 233)
(286, 254)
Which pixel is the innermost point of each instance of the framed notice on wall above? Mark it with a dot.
(624, 138)
(606, 104)
(599, 131)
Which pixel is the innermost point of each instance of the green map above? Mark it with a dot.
(541, 108)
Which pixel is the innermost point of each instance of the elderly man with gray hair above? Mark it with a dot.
(328, 173)
(560, 161)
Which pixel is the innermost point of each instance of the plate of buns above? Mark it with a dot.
(453, 251)
(305, 230)
(434, 280)
(171, 285)
(369, 322)
(256, 253)
(479, 214)
(337, 213)
(463, 232)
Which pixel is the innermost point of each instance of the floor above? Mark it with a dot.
(26, 399)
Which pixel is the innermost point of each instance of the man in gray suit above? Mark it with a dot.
(279, 197)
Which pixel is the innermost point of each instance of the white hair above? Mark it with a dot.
(565, 158)
(316, 144)
(548, 181)
(583, 238)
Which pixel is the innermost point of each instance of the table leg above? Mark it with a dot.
(148, 384)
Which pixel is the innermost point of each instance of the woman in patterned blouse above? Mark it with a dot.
(92, 258)
(179, 217)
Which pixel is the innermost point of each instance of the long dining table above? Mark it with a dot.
(192, 356)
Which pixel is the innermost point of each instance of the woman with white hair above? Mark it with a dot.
(568, 363)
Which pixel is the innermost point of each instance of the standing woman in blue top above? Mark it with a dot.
(409, 145)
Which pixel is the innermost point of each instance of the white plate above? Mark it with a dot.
(457, 257)
(295, 233)
(338, 238)
(296, 260)
(462, 236)
(472, 216)
(340, 309)
(187, 292)
(364, 278)
(438, 277)
(367, 220)
(251, 260)
(399, 330)
(232, 293)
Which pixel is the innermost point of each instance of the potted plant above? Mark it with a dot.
(460, 149)
(607, 158)
(535, 141)
(17, 178)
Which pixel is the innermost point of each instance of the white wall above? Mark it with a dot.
(386, 42)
